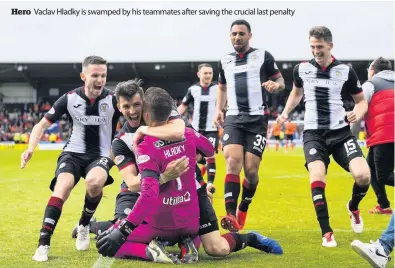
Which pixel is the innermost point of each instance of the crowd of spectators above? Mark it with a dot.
(17, 121)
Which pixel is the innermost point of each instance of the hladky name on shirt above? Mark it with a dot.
(93, 120)
(174, 151)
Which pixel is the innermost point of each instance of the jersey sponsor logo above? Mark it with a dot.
(160, 143)
(142, 159)
(175, 200)
(321, 82)
(93, 120)
(104, 107)
(119, 159)
(52, 111)
(244, 68)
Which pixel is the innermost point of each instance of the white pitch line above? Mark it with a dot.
(103, 262)
(314, 230)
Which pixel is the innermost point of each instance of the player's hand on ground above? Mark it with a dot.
(175, 169)
(110, 241)
(281, 119)
(271, 86)
(351, 117)
(219, 119)
(140, 133)
(25, 157)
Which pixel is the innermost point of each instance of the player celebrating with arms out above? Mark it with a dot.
(326, 131)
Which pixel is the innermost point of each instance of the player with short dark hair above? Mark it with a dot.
(326, 132)
(93, 113)
(244, 77)
(203, 95)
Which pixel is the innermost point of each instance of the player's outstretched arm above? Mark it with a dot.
(293, 100)
(203, 145)
(172, 131)
(360, 108)
(37, 132)
(182, 108)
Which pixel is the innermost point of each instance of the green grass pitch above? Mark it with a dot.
(282, 209)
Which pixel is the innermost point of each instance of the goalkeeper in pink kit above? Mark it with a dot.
(169, 211)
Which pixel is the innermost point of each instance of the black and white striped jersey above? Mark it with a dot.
(93, 121)
(243, 75)
(204, 100)
(323, 90)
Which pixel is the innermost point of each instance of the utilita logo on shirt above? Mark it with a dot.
(172, 201)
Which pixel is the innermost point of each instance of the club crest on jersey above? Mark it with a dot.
(104, 107)
(254, 57)
(338, 74)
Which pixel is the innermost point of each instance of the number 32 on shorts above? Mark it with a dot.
(260, 142)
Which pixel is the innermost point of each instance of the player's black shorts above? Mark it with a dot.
(208, 218)
(124, 200)
(319, 144)
(247, 130)
(289, 137)
(381, 162)
(79, 165)
(277, 138)
(212, 136)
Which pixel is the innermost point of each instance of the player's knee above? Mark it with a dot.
(251, 176)
(94, 185)
(360, 171)
(63, 187)
(234, 163)
(217, 249)
(362, 177)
